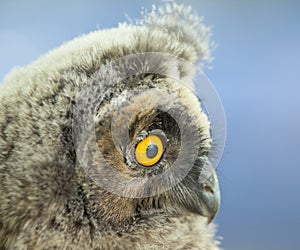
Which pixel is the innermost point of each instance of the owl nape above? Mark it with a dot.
(104, 144)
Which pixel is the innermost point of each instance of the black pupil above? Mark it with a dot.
(152, 151)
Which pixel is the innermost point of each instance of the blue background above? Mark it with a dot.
(257, 75)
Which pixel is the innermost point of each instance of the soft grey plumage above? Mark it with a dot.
(47, 198)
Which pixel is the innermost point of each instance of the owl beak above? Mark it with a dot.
(210, 197)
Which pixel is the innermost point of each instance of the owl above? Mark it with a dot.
(103, 142)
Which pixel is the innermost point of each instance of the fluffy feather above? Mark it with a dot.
(46, 199)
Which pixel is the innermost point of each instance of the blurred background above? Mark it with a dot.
(257, 75)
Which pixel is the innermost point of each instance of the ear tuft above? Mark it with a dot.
(182, 24)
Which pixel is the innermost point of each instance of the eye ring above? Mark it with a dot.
(150, 150)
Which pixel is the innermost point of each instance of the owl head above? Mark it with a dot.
(107, 141)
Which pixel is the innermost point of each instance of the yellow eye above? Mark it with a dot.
(149, 151)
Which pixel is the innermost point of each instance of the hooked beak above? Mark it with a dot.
(210, 197)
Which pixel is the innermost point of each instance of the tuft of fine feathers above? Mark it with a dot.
(49, 200)
(184, 26)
